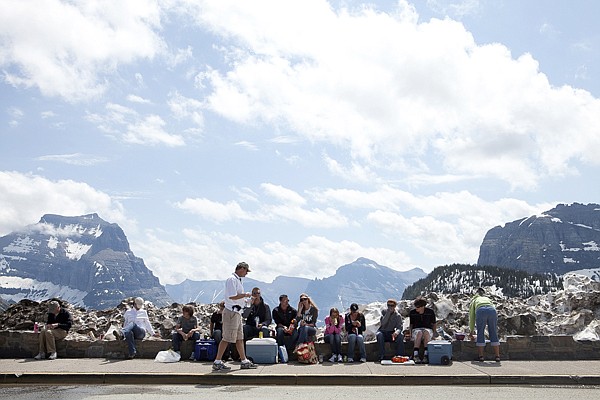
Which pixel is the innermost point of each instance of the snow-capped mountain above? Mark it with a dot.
(362, 281)
(83, 260)
(566, 238)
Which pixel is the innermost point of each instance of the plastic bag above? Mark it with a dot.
(167, 356)
(283, 354)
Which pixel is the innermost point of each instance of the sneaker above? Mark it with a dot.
(363, 360)
(118, 334)
(425, 360)
(350, 360)
(131, 356)
(192, 358)
(340, 358)
(249, 365)
(220, 367)
(40, 356)
(52, 356)
(332, 359)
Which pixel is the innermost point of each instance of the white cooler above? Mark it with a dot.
(262, 351)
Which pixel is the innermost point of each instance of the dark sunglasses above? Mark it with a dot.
(391, 305)
(303, 298)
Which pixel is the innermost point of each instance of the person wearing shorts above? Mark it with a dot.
(422, 325)
(235, 299)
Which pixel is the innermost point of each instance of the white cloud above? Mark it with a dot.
(200, 255)
(66, 48)
(212, 210)
(24, 198)
(187, 108)
(137, 99)
(74, 159)
(395, 90)
(131, 127)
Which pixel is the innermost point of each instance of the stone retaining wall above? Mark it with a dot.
(20, 344)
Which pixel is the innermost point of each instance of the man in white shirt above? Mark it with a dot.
(235, 300)
(135, 326)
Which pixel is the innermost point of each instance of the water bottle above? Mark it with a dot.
(257, 321)
(36, 328)
(260, 334)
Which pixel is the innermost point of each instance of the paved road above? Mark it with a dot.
(150, 392)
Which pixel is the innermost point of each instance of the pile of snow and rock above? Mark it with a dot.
(575, 311)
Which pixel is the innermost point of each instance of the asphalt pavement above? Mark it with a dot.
(146, 371)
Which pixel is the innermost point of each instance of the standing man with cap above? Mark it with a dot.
(135, 326)
(235, 299)
(57, 328)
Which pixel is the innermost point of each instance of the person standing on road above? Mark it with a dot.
(481, 313)
(57, 328)
(235, 299)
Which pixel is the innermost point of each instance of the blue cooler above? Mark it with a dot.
(205, 350)
(440, 352)
(262, 351)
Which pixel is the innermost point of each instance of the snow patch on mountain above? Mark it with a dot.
(26, 288)
(74, 250)
(21, 245)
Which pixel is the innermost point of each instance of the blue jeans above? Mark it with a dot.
(304, 332)
(335, 340)
(353, 339)
(177, 339)
(131, 332)
(386, 336)
(487, 315)
(280, 334)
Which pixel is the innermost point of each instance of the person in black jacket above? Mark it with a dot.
(259, 317)
(355, 326)
(284, 316)
(57, 327)
(422, 326)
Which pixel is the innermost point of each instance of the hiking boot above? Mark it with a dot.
(249, 365)
(40, 356)
(425, 360)
(332, 359)
(340, 358)
(363, 360)
(220, 367)
(52, 356)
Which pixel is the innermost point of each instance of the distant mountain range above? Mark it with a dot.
(362, 281)
(566, 238)
(88, 262)
(83, 260)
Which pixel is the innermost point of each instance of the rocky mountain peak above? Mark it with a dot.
(565, 238)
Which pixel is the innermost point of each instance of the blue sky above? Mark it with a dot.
(297, 136)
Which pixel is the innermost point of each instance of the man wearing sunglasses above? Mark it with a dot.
(390, 330)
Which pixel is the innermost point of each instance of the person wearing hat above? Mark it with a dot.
(135, 326)
(481, 313)
(422, 325)
(284, 316)
(390, 330)
(233, 332)
(57, 327)
(355, 326)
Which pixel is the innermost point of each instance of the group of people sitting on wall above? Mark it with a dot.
(294, 326)
(298, 325)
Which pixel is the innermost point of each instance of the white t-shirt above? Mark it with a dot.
(233, 286)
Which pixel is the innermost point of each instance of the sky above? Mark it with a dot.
(297, 136)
